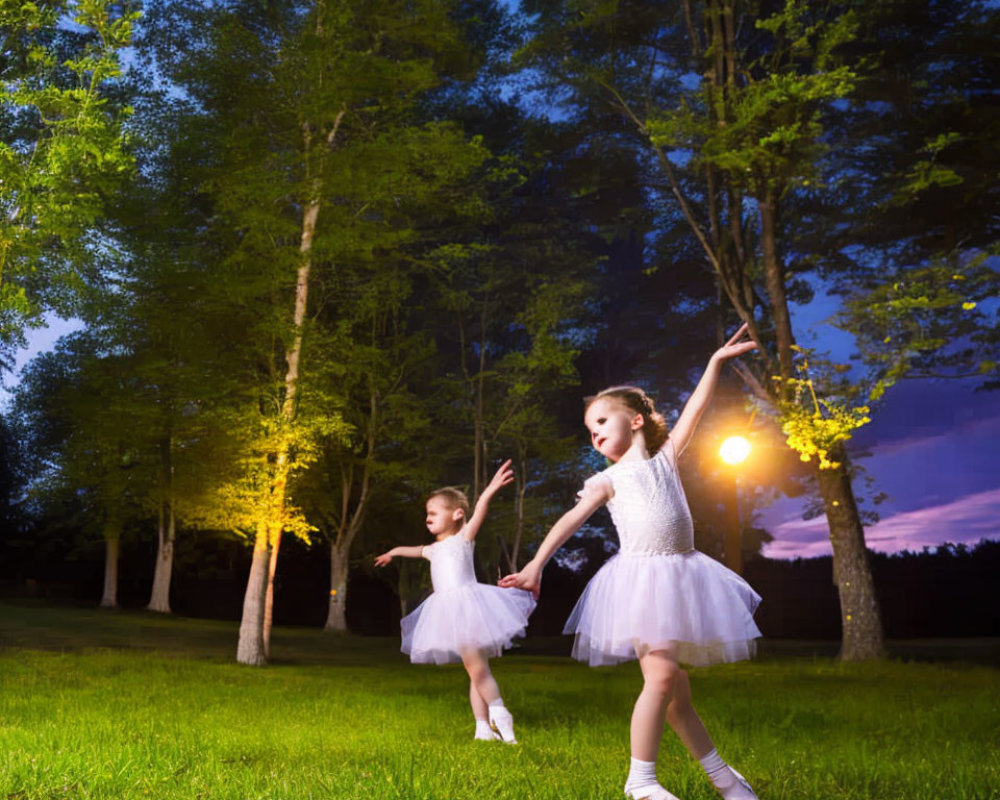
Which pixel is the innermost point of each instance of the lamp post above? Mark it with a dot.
(734, 451)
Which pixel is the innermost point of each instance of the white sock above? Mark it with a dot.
(725, 779)
(483, 730)
(640, 773)
(502, 721)
(716, 769)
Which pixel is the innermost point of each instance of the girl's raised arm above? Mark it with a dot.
(416, 551)
(737, 345)
(503, 476)
(530, 577)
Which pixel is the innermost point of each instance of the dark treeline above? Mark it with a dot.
(944, 592)
(347, 251)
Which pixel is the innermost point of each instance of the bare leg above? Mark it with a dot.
(480, 676)
(659, 676)
(691, 731)
(480, 708)
(685, 720)
(484, 684)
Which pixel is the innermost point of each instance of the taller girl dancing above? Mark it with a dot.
(658, 600)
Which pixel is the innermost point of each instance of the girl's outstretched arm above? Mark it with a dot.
(737, 345)
(503, 476)
(416, 551)
(530, 577)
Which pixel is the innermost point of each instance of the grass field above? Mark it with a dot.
(133, 705)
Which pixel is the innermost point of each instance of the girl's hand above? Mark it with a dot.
(503, 476)
(529, 579)
(382, 560)
(738, 344)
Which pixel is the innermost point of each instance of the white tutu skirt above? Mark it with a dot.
(687, 603)
(475, 616)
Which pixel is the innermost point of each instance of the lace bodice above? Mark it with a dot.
(649, 508)
(451, 562)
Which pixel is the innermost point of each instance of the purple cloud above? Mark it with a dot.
(966, 520)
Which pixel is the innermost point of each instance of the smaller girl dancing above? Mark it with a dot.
(658, 600)
(464, 620)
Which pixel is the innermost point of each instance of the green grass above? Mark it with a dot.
(133, 705)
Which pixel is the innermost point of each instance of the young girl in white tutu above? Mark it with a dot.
(464, 620)
(658, 600)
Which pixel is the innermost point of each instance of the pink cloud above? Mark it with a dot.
(966, 520)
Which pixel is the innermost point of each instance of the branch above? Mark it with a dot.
(750, 381)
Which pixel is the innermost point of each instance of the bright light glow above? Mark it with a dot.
(734, 450)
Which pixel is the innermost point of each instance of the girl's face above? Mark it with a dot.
(613, 426)
(441, 517)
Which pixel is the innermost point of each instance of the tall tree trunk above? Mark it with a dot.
(479, 462)
(112, 547)
(272, 567)
(774, 277)
(351, 518)
(521, 488)
(256, 624)
(859, 612)
(251, 649)
(257, 627)
(862, 637)
(336, 618)
(159, 599)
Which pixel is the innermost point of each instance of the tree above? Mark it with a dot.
(917, 274)
(61, 149)
(73, 410)
(307, 106)
(726, 102)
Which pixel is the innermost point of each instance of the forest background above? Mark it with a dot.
(331, 255)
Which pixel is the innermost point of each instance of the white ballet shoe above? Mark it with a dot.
(740, 790)
(492, 736)
(502, 723)
(651, 792)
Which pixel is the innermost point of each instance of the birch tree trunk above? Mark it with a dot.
(272, 567)
(293, 356)
(159, 599)
(257, 627)
(251, 650)
(112, 546)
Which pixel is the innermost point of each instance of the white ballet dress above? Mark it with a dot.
(462, 614)
(658, 592)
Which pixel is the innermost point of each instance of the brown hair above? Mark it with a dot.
(455, 498)
(654, 426)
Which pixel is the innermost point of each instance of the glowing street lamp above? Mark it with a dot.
(734, 451)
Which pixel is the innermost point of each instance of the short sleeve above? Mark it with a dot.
(668, 452)
(597, 481)
(425, 550)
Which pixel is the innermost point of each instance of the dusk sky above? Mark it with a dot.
(935, 450)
